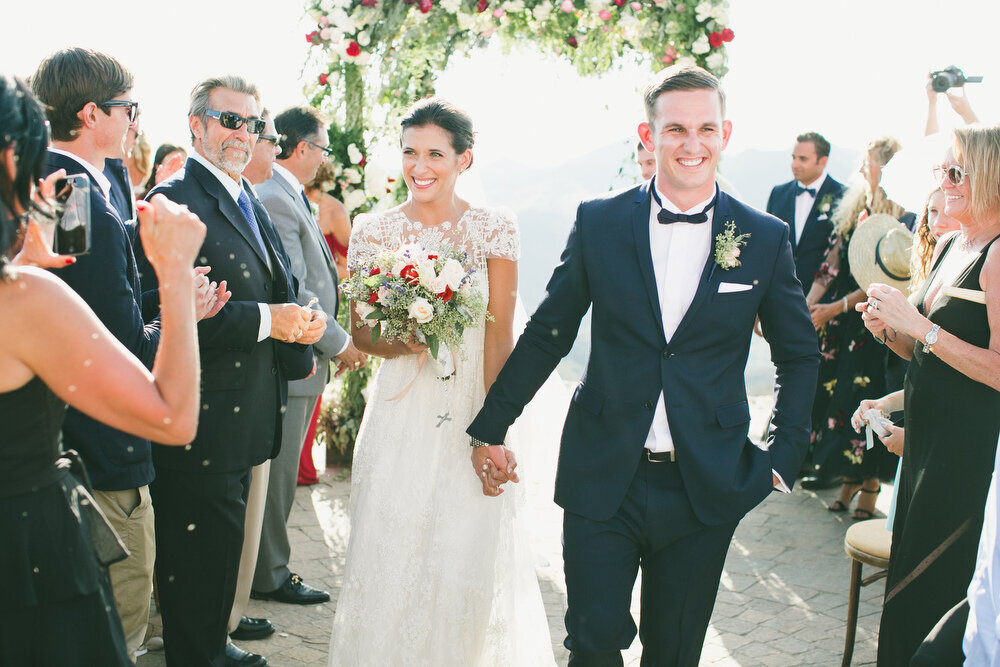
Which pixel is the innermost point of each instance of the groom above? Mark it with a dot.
(655, 468)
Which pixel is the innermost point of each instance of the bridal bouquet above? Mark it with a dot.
(412, 293)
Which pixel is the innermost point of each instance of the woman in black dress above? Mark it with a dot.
(56, 606)
(952, 401)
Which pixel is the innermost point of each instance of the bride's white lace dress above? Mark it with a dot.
(436, 573)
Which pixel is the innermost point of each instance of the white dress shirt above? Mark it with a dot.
(96, 175)
(680, 251)
(234, 189)
(804, 203)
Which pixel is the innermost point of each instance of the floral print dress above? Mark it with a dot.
(852, 369)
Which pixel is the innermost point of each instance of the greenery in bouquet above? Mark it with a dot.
(410, 293)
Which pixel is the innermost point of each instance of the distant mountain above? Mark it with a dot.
(545, 201)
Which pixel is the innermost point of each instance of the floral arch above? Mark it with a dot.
(371, 59)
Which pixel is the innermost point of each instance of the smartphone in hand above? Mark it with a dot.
(72, 230)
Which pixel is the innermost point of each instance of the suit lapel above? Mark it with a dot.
(823, 190)
(789, 210)
(710, 273)
(227, 206)
(643, 251)
(314, 227)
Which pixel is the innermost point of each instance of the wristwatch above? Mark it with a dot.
(476, 442)
(931, 337)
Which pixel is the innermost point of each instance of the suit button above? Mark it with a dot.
(274, 371)
(648, 405)
(667, 354)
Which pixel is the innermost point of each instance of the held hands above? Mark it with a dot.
(350, 359)
(171, 234)
(821, 313)
(494, 465)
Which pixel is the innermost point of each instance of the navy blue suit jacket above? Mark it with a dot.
(108, 281)
(244, 382)
(810, 250)
(122, 199)
(607, 265)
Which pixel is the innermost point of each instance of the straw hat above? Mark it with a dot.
(879, 252)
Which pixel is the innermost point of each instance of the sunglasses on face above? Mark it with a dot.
(234, 121)
(133, 107)
(275, 139)
(955, 174)
(325, 149)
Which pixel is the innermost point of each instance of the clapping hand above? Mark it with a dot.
(209, 296)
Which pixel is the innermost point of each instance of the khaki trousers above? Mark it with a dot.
(251, 540)
(130, 513)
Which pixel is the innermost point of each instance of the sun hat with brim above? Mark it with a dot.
(879, 252)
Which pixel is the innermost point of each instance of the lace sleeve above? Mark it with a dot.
(501, 236)
(364, 243)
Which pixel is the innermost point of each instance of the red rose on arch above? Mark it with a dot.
(727, 35)
(322, 79)
(369, 3)
(572, 42)
(446, 294)
(482, 5)
(353, 49)
(619, 2)
(715, 39)
(425, 5)
(313, 37)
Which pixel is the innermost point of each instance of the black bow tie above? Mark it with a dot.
(799, 190)
(665, 217)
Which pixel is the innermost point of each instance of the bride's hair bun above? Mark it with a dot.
(442, 113)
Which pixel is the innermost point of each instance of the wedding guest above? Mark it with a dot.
(56, 602)
(951, 397)
(88, 100)
(655, 468)
(646, 161)
(932, 224)
(168, 159)
(333, 218)
(959, 103)
(243, 627)
(138, 160)
(305, 147)
(848, 353)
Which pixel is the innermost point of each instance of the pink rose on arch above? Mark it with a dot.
(567, 6)
(498, 12)
(425, 5)
(369, 3)
(636, 6)
(324, 21)
(604, 15)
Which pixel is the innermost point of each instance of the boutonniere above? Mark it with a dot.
(727, 246)
(825, 203)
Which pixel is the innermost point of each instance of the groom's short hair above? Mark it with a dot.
(680, 77)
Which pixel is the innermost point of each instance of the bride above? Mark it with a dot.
(437, 572)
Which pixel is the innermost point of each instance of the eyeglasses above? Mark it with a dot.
(956, 175)
(133, 107)
(234, 121)
(275, 139)
(325, 149)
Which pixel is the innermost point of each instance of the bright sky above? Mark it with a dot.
(850, 69)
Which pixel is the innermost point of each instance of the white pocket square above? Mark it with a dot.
(822, 218)
(725, 288)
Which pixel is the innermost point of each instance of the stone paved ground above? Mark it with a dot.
(782, 600)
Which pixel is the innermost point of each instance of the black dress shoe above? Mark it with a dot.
(237, 657)
(818, 481)
(293, 591)
(252, 628)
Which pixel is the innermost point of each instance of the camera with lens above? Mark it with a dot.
(951, 77)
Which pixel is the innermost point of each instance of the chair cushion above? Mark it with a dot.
(869, 542)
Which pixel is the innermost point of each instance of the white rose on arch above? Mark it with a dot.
(352, 175)
(355, 156)
(701, 45)
(354, 199)
(715, 60)
(421, 310)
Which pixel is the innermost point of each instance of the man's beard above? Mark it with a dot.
(233, 167)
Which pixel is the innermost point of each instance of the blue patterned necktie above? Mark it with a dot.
(243, 201)
(799, 190)
(306, 201)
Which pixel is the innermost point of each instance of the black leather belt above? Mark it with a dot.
(661, 457)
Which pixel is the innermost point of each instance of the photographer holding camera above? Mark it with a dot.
(938, 83)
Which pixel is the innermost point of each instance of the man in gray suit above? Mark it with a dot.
(303, 149)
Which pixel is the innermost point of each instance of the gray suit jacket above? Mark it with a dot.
(313, 265)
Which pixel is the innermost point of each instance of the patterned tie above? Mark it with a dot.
(799, 190)
(243, 201)
(306, 201)
(665, 217)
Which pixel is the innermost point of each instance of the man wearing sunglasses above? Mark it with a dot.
(260, 340)
(303, 151)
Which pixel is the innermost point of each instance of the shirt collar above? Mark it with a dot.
(673, 208)
(232, 187)
(817, 184)
(288, 177)
(96, 175)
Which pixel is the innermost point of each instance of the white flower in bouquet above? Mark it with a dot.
(421, 310)
(426, 273)
(453, 273)
(364, 310)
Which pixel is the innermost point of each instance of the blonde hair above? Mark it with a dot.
(858, 198)
(977, 148)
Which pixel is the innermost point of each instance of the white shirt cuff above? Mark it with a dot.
(780, 486)
(265, 322)
(346, 344)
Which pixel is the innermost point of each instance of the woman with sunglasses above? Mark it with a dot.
(952, 399)
(53, 351)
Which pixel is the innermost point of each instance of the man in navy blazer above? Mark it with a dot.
(655, 467)
(257, 342)
(806, 204)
